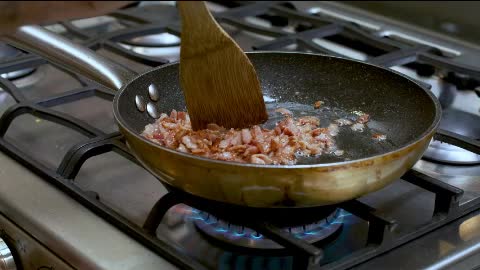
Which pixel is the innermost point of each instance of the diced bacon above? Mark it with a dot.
(181, 116)
(333, 129)
(319, 131)
(358, 127)
(158, 136)
(315, 149)
(170, 141)
(236, 138)
(224, 144)
(237, 148)
(246, 136)
(323, 137)
(257, 133)
(288, 127)
(251, 150)
(343, 122)
(318, 104)
(162, 116)
(169, 125)
(260, 159)
(182, 148)
(179, 134)
(263, 146)
(275, 144)
(379, 137)
(149, 129)
(283, 111)
(173, 114)
(364, 118)
(198, 151)
(289, 138)
(227, 156)
(277, 130)
(287, 151)
(309, 120)
(290, 130)
(188, 142)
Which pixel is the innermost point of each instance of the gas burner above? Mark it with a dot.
(171, 53)
(245, 237)
(156, 13)
(17, 74)
(8, 52)
(462, 123)
(165, 45)
(157, 40)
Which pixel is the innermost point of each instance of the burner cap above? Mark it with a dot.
(160, 14)
(8, 52)
(462, 123)
(247, 238)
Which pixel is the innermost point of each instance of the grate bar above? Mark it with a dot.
(144, 59)
(78, 154)
(447, 197)
(10, 88)
(380, 239)
(84, 92)
(254, 9)
(431, 184)
(398, 57)
(272, 32)
(444, 63)
(366, 212)
(159, 210)
(276, 234)
(458, 140)
(158, 244)
(309, 44)
(47, 114)
(309, 34)
(26, 61)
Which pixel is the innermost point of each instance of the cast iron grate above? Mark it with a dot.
(380, 239)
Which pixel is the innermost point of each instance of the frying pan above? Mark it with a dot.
(399, 108)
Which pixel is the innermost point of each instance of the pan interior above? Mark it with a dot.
(398, 108)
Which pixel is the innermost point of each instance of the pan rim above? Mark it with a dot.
(434, 125)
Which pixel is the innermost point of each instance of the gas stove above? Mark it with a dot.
(73, 197)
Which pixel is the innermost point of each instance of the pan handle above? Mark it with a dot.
(71, 56)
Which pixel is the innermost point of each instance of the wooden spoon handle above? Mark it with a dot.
(193, 8)
(201, 26)
(210, 60)
(195, 13)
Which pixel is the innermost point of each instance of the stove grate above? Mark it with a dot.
(380, 239)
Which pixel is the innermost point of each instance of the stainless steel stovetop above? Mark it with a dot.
(47, 226)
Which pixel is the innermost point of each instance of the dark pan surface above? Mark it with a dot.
(398, 107)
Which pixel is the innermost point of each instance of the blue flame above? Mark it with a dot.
(221, 230)
(254, 236)
(342, 213)
(319, 228)
(239, 234)
(194, 218)
(312, 233)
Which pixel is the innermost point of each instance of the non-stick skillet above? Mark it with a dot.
(399, 108)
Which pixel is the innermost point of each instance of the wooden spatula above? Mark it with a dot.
(219, 82)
